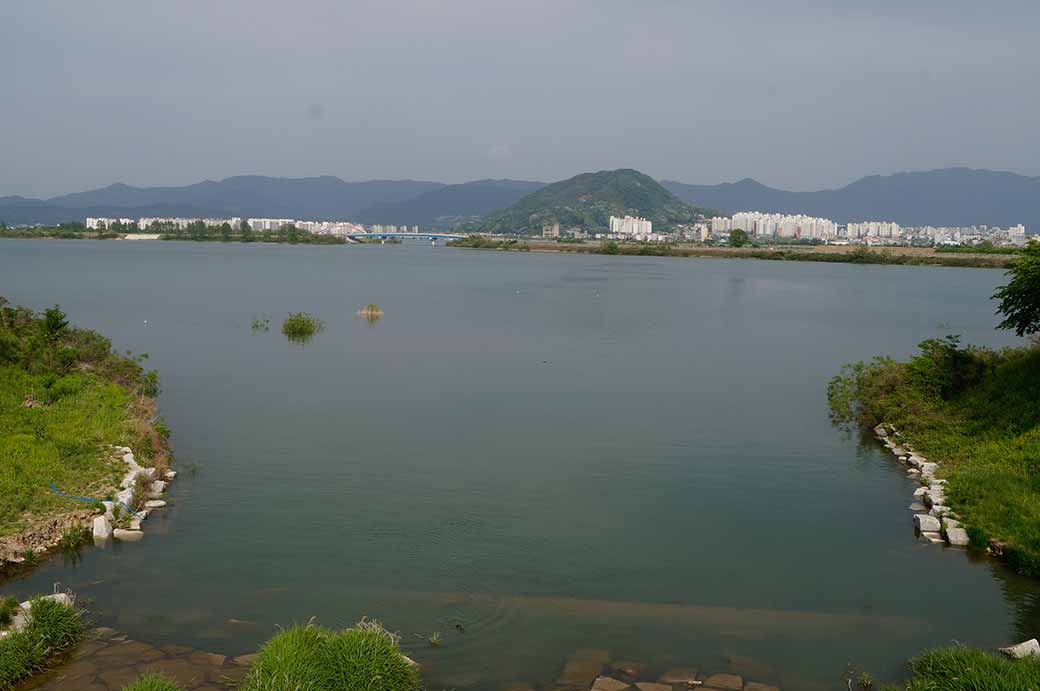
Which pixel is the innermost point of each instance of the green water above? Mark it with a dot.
(555, 452)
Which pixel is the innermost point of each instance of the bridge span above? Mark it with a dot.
(421, 236)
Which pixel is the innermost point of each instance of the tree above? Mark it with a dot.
(1020, 298)
(738, 238)
(54, 323)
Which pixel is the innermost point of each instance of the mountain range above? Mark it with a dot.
(950, 196)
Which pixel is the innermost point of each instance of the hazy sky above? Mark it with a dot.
(796, 93)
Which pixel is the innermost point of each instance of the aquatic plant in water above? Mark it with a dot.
(301, 326)
(371, 313)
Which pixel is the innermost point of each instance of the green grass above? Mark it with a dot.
(60, 442)
(52, 628)
(152, 682)
(311, 658)
(8, 606)
(977, 411)
(967, 669)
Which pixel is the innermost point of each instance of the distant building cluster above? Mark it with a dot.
(801, 227)
(631, 227)
(775, 225)
(338, 228)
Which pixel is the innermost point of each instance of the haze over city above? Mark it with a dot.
(801, 96)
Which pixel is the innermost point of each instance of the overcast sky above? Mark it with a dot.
(798, 94)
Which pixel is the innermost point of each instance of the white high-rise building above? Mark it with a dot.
(631, 227)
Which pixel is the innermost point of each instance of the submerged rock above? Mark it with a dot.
(725, 681)
(608, 684)
(933, 537)
(679, 675)
(154, 504)
(127, 535)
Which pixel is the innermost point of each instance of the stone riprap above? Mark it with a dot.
(119, 520)
(934, 521)
(589, 670)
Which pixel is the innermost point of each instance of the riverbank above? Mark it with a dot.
(977, 412)
(71, 410)
(907, 256)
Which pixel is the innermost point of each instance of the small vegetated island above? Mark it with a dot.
(301, 327)
(977, 410)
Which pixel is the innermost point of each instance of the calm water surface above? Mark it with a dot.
(556, 452)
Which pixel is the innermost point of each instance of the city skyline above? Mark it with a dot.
(814, 96)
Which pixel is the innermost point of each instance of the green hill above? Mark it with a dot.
(589, 200)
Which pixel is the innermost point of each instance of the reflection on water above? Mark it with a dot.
(557, 453)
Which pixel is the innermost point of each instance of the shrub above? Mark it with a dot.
(152, 682)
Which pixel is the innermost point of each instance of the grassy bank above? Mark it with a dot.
(906, 256)
(65, 397)
(51, 628)
(978, 412)
(966, 669)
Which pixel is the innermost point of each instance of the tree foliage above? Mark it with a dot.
(1020, 298)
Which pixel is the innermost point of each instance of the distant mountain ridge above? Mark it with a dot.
(950, 196)
(944, 197)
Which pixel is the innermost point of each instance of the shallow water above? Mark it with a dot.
(554, 452)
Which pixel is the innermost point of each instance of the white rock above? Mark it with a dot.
(18, 622)
(918, 507)
(154, 504)
(158, 487)
(920, 492)
(135, 523)
(125, 496)
(950, 523)
(109, 505)
(128, 458)
(957, 537)
(60, 598)
(170, 474)
(608, 684)
(1024, 649)
(926, 523)
(913, 472)
(102, 528)
(127, 535)
(927, 468)
(903, 459)
(938, 510)
(933, 537)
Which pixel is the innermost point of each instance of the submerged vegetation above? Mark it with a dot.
(65, 396)
(967, 669)
(311, 657)
(301, 326)
(52, 627)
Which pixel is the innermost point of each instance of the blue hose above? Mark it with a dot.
(87, 499)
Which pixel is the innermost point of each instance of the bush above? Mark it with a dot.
(311, 658)
(153, 682)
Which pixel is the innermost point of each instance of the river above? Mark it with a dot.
(531, 454)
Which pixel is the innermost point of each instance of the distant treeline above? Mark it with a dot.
(984, 247)
(197, 231)
(859, 255)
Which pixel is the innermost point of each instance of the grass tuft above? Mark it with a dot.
(153, 682)
(52, 628)
(312, 658)
(301, 326)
